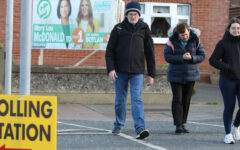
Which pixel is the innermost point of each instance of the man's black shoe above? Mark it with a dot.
(143, 134)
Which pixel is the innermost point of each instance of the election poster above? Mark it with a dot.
(73, 24)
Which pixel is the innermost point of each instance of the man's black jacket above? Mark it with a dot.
(128, 47)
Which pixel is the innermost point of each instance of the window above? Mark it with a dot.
(142, 8)
(161, 9)
(162, 16)
(183, 10)
(160, 26)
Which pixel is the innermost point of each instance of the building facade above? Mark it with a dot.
(234, 8)
(211, 17)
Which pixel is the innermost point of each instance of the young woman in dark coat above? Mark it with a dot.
(226, 58)
(183, 52)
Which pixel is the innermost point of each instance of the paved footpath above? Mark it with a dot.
(89, 127)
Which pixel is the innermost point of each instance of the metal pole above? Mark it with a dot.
(26, 45)
(9, 42)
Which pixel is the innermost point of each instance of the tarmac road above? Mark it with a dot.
(89, 127)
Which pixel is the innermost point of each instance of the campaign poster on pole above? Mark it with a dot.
(72, 24)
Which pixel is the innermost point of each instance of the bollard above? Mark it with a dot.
(2, 68)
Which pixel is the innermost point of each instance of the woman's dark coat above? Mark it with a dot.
(226, 56)
(179, 70)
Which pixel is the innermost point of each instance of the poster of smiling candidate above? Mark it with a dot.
(72, 24)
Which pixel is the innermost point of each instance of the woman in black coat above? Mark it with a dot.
(183, 52)
(226, 58)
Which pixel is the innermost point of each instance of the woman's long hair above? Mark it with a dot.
(90, 14)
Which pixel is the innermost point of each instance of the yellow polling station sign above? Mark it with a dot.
(28, 122)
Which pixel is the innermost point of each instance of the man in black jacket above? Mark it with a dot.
(129, 44)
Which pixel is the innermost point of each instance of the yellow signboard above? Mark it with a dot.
(28, 122)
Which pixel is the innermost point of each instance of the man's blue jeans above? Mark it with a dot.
(121, 90)
(230, 89)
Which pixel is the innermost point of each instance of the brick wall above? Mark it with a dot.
(210, 17)
(16, 26)
(2, 20)
(235, 3)
(234, 9)
(235, 12)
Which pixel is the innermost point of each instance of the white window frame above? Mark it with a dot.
(173, 15)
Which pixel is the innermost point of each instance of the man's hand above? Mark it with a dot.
(112, 74)
(150, 81)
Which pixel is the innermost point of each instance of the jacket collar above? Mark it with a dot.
(139, 24)
(229, 36)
